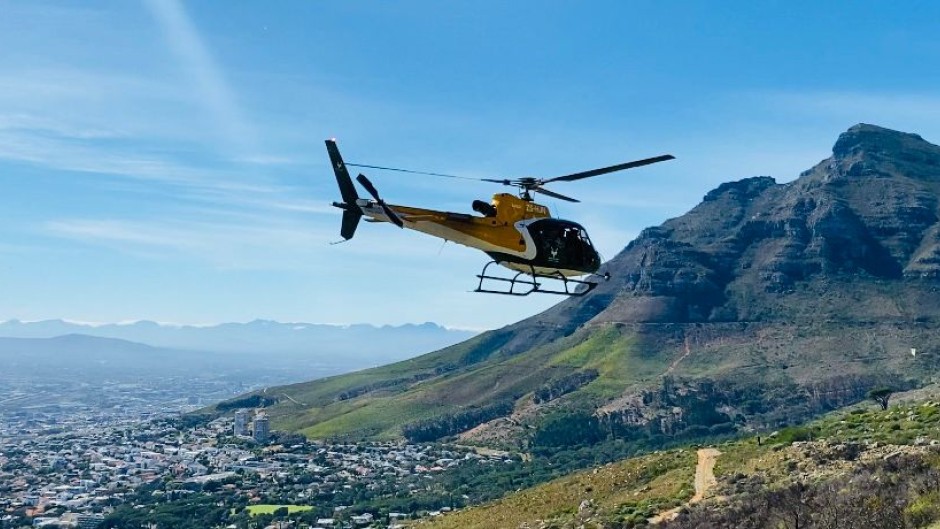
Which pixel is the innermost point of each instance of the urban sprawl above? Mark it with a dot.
(68, 470)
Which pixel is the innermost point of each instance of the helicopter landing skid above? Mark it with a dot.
(529, 283)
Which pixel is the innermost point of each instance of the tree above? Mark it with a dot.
(881, 396)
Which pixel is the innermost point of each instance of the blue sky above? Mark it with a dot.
(165, 161)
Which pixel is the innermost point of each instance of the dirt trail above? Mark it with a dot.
(705, 473)
(675, 363)
(704, 482)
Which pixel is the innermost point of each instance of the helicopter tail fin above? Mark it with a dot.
(351, 211)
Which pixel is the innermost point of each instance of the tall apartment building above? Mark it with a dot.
(261, 430)
(241, 422)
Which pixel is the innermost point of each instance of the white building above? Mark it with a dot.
(261, 429)
(362, 519)
(241, 423)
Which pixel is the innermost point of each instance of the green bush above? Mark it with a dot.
(792, 434)
(924, 509)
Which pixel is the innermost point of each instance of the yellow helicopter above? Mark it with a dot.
(515, 232)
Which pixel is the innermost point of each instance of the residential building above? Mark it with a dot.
(261, 429)
(241, 423)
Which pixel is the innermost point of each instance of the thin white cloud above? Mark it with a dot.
(217, 96)
(84, 97)
(23, 139)
(136, 129)
(67, 154)
(244, 241)
(123, 232)
(224, 245)
(30, 123)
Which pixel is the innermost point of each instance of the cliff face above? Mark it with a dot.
(765, 303)
(867, 215)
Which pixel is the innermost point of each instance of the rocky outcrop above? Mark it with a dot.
(868, 213)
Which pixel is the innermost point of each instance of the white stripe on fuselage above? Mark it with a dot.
(459, 237)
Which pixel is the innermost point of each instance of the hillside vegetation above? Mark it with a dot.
(847, 469)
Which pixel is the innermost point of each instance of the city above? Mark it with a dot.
(75, 470)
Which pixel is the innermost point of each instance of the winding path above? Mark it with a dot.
(705, 481)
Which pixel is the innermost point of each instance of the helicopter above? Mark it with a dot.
(548, 255)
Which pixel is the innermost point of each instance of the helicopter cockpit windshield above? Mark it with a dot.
(564, 244)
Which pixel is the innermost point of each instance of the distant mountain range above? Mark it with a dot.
(260, 342)
(77, 353)
(764, 304)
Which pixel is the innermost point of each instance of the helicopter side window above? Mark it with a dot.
(577, 245)
(573, 244)
(584, 237)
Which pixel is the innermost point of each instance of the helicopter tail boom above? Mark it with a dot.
(352, 213)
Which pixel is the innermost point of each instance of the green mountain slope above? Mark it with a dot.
(883, 459)
(763, 305)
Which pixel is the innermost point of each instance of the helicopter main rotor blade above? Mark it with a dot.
(554, 194)
(527, 183)
(611, 169)
(392, 216)
(411, 171)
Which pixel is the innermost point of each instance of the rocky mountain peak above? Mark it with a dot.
(872, 139)
(869, 150)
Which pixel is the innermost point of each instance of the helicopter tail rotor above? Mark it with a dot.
(392, 216)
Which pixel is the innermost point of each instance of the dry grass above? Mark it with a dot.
(644, 484)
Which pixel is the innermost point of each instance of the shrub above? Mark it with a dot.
(793, 434)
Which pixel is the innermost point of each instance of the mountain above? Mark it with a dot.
(764, 304)
(75, 353)
(347, 347)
